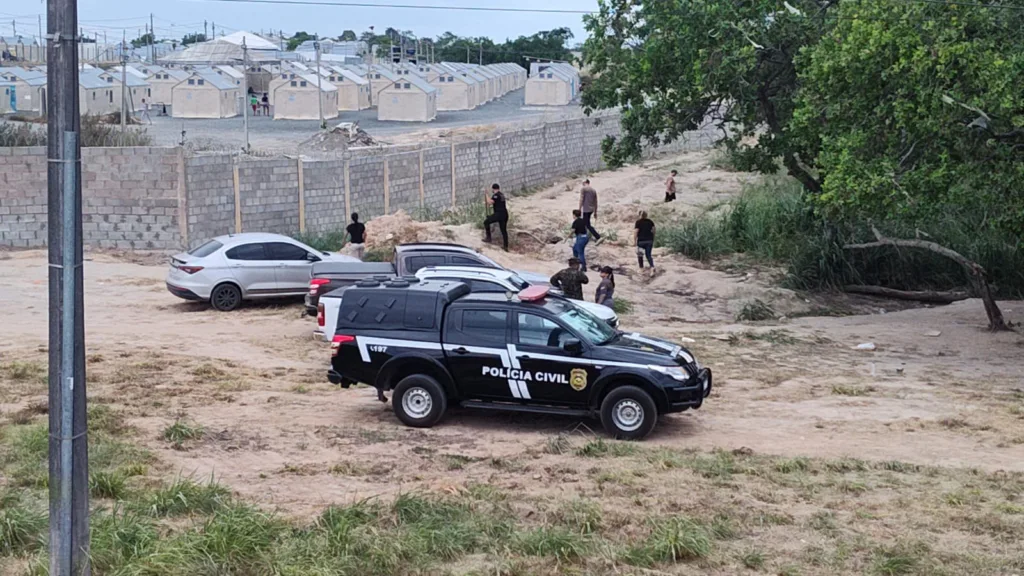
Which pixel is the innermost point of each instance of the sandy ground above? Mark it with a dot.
(278, 433)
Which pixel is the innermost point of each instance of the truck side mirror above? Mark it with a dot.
(572, 346)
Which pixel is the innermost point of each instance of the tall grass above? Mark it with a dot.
(324, 241)
(95, 131)
(773, 222)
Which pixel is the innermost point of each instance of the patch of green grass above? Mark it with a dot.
(118, 538)
(557, 543)
(719, 464)
(184, 496)
(897, 560)
(755, 311)
(621, 306)
(103, 484)
(580, 516)
(28, 372)
(752, 559)
(600, 448)
(558, 444)
(331, 240)
(379, 254)
(181, 432)
(676, 539)
(23, 529)
(791, 465)
(456, 461)
(840, 390)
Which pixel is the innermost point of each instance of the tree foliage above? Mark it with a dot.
(193, 38)
(917, 110)
(299, 38)
(144, 40)
(347, 36)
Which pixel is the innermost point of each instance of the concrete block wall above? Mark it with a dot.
(437, 178)
(366, 186)
(468, 184)
(129, 198)
(132, 197)
(404, 182)
(210, 197)
(269, 193)
(324, 195)
(534, 173)
(23, 197)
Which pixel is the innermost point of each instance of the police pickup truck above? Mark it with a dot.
(433, 343)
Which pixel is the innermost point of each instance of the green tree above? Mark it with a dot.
(299, 38)
(193, 38)
(144, 40)
(347, 36)
(916, 112)
(674, 65)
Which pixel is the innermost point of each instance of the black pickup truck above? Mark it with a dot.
(435, 343)
(407, 259)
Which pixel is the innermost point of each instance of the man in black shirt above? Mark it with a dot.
(499, 217)
(580, 238)
(643, 237)
(356, 232)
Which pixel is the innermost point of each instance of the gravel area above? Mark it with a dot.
(271, 135)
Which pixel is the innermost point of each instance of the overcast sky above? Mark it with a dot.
(174, 18)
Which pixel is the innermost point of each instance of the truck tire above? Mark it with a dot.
(419, 401)
(628, 413)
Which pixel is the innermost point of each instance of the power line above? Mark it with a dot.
(403, 6)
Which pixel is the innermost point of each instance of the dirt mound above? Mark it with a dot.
(400, 228)
(338, 139)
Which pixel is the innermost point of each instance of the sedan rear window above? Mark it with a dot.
(206, 249)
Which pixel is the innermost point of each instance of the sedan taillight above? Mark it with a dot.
(315, 284)
(190, 269)
(338, 340)
(320, 320)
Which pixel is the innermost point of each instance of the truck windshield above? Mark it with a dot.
(595, 330)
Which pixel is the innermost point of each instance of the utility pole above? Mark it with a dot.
(152, 40)
(245, 92)
(319, 93)
(124, 82)
(214, 27)
(39, 39)
(68, 444)
(481, 53)
(14, 24)
(467, 53)
(205, 36)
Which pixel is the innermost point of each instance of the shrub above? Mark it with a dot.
(325, 241)
(22, 529)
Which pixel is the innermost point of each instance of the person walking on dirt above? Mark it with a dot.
(145, 111)
(356, 232)
(499, 216)
(643, 237)
(570, 280)
(255, 105)
(606, 289)
(580, 238)
(265, 103)
(588, 206)
(670, 187)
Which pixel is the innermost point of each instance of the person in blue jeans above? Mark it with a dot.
(580, 238)
(643, 236)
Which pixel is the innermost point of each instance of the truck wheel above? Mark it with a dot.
(629, 413)
(419, 401)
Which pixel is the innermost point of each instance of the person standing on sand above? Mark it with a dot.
(670, 187)
(588, 206)
(570, 280)
(579, 238)
(499, 216)
(643, 237)
(606, 289)
(265, 103)
(356, 232)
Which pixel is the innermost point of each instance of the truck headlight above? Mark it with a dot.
(675, 372)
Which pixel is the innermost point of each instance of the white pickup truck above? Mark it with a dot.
(478, 279)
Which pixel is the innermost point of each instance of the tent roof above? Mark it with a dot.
(252, 41)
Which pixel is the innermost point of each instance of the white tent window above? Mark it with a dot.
(451, 79)
(202, 82)
(191, 82)
(294, 83)
(398, 85)
(303, 83)
(406, 86)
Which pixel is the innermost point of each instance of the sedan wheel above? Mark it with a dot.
(226, 297)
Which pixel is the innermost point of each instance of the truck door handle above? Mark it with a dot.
(461, 350)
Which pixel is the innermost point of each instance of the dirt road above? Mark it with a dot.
(938, 390)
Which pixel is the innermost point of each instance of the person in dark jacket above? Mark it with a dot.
(580, 239)
(571, 280)
(499, 216)
(606, 289)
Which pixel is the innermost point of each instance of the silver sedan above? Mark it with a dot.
(229, 269)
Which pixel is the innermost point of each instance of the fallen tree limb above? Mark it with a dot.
(525, 233)
(929, 296)
(979, 278)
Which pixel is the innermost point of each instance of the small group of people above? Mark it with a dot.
(258, 103)
(571, 280)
